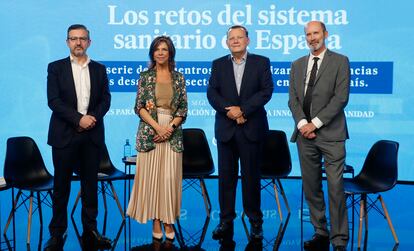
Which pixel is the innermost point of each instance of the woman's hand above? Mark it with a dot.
(163, 133)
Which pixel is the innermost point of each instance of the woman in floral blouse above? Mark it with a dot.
(161, 104)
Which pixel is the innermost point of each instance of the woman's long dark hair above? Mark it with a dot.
(171, 51)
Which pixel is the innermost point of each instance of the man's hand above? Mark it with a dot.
(308, 131)
(241, 120)
(87, 122)
(234, 112)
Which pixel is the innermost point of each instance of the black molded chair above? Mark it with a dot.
(25, 170)
(106, 174)
(276, 164)
(197, 165)
(378, 174)
(11, 244)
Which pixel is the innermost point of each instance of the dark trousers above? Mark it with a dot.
(82, 156)
(249, 154)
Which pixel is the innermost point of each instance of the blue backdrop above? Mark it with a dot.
(375, 35)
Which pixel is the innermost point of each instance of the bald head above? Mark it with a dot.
(321, 25)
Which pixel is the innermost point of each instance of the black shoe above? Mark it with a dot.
(168, 243)
(92, 240)
(254, 245)
(224, 230)
(227, 245)
(318, 242)
(339, 248)
(55, 243)
(156, 244)
(256, 231)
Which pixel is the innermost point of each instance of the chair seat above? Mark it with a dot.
(274, 175)
(347, 169)
(114, 174)
(197, 174)
(355, 186)
(40, 186)
(3, 188)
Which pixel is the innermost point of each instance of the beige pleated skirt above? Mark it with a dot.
(156, 193)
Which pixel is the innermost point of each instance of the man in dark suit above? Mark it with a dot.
(78, 95)
(318, 94)
(239, 87)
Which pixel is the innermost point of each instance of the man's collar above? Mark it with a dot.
(244, 57)
(74, 60)
(321, 55)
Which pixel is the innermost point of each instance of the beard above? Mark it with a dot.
(78, 51)
(316, 46)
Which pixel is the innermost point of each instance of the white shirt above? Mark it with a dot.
(316, 121)
(82, 84)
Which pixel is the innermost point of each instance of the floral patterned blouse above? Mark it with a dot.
(146, 99)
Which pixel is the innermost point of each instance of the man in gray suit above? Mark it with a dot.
(318, 94)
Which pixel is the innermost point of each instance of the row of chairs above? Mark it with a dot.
(25, 170)
(379, 173)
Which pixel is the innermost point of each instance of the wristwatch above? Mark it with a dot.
(173, 126)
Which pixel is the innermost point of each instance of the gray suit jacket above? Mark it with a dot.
(329, 98)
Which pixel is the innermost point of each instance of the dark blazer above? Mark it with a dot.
(61, 95)
(255, 91)
(329, 97)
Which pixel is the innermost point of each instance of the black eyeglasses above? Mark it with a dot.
(82, 39)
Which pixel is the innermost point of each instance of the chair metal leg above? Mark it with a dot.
(39, 206)
(282, 192)
(12, 211)
(76, 203)
(277, 200)
(366, 215)
(206, 198)
(207, 205)
(103, 191)
(245, 226)
(29, 221)
(353, 219)
(387, 216)
(361, 216)
(117, 200)
(180, 236)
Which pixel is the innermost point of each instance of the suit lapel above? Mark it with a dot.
(229, 68)
(247, 68)
(324, 64)
(304, 71)
(70, 79)
(92, 77)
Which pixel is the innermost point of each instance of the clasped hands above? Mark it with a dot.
(308, 131)
(87, 122)
(163, 133)
(235, 113)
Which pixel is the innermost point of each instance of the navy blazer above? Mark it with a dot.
(61, 95)
(255, 91)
